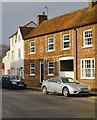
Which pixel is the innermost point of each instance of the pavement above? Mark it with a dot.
(92, 95)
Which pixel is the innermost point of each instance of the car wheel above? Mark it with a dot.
(44, 90)
(65, 92)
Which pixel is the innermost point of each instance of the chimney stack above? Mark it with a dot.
(41, 18)
(92, 3)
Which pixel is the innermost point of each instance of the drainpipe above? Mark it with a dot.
(76, 42)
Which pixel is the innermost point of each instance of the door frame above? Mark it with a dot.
(41, 62)
(66, 58)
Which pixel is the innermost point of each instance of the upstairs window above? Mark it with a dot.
(87, 36)
(19, 38)
(19, 53)
(32, 47)
(12, 54)
(15, 38)
(66, 42)
(12, 40)
(50, 44)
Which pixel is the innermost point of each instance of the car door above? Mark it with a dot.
(50, 85)
(5, 81)
(57, 85)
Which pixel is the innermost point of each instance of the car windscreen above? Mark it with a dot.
(68, 80)
(15, 78)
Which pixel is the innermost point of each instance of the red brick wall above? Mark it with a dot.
(85, 53)
(41, 53)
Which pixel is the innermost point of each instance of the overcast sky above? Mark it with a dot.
(15, 14)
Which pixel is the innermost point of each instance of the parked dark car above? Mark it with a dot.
(13, 81)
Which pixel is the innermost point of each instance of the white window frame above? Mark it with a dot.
(84, 39)
(48, 44)
(84, 68)
(65, 41)
(19, 38)
(32, 68)
(52, 74)
(32, 47)
(12, 55)
(12, 40)
(19, 53)
(15, 38)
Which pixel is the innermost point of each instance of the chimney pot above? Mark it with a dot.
(41, 18)
(43, 13)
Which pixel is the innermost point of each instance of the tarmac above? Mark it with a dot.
(92, 94)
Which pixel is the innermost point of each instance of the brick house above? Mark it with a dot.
(63, 46)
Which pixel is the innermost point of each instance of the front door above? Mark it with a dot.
(41, 71)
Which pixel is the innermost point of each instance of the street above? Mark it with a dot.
(34, 104)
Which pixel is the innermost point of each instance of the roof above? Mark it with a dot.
(25, 30)
(71, 20)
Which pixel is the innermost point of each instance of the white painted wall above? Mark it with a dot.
(7, 60)
(16, 62)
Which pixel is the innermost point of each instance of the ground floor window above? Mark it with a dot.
(88, 68)
(50, 68)
(66, 65)
(32, 68)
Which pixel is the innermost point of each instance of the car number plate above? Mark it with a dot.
(20, 85)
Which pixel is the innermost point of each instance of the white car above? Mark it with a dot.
(66, 86)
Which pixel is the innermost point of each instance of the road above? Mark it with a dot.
(33, 104)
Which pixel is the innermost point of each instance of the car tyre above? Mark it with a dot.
(44, 90)
(65, 92)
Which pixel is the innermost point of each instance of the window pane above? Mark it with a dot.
(32, 49)
(82, 64)
(32, 71)
(87, 64)
(88, 37)
(88, 72)
(93, 72)
(50, 40)
(66, 44)
(66, 41)
(32, 43)
(50, 46)
(32, 64)
(92, 63)
(66, 37)
(51, 71)
(82, 72)
(51, 64)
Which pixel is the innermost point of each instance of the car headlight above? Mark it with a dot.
(14, 82)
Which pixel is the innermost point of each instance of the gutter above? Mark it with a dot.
(76, 54)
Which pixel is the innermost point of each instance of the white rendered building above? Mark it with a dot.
(14, 59)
